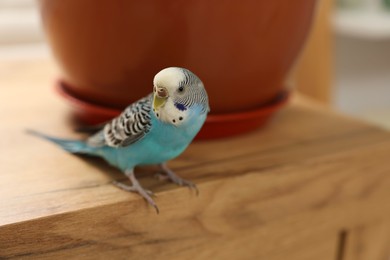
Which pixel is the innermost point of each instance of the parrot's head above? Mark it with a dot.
(175, 92)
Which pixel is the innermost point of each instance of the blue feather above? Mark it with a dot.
(72, 146)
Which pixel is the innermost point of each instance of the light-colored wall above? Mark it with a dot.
(362, 78)
(19, 22)
(362, 61)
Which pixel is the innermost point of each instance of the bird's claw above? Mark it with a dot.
(132, 188)
(146, 194)
(170, 175)
(161, 177)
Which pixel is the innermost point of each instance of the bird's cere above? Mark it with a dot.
(161, 92)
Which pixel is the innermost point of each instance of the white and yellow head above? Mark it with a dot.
(175, 92)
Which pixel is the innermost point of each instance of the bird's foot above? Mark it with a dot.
(131, 188)
(170, 175)
(136, 187)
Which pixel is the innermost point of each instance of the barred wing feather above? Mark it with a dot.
(129, 127)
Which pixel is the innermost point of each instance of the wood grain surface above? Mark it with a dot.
(310, 185)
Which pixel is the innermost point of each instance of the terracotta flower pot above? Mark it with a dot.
(109, 50)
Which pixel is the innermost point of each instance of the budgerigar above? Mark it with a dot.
(151, 131)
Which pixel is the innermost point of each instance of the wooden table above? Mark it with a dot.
(310, 185)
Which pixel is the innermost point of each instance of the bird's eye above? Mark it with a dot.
(181, 89)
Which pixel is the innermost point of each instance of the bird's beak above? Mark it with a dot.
(160, 97)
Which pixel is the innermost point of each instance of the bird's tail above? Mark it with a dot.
(72, 146)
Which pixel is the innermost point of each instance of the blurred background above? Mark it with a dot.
(346, 62)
